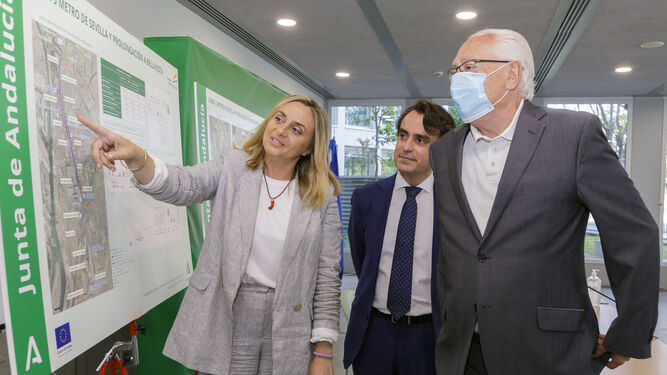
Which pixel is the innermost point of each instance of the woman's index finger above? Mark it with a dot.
(98, 129)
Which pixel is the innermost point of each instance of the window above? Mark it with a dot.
(359, 116)
(360, 129)
(388, 166)
(359, 161)
(334, 121)
(614, 119)
(455, 115)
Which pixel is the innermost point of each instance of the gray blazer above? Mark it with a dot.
(307, 290)
(524, 279)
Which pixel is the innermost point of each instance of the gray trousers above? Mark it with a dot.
(251, 339)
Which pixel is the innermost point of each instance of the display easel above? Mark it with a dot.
(122, 354)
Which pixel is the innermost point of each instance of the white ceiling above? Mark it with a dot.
(394, 52)
(611, 39)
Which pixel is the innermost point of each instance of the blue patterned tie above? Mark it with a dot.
(399, 295)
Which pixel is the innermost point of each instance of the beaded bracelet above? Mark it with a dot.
(328, 356)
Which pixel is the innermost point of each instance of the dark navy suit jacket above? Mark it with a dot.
(368, 218)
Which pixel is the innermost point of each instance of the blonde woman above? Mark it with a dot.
(264, 296)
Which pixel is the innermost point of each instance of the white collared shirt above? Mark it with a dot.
(423, 248)
(482, 166)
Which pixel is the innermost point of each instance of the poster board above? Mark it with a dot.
(83, 251)
(221, 126)
(198, 67)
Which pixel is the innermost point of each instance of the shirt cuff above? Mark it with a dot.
(159, 176)
(324, 334)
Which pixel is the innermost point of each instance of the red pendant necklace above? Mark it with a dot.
(273, 199)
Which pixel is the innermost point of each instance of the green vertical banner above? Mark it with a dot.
(26, 330)
(202, 141)
(196, 63)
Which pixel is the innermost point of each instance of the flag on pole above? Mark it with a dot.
(333, 165)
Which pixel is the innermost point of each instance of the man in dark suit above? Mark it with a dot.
(515, 187)
(393, 239)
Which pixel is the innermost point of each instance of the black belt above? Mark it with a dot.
(405, 320)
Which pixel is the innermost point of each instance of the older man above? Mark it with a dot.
(515, 187)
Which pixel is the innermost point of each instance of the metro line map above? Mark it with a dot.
(66, 84)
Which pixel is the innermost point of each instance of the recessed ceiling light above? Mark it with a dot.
(342, 74)
(623, 69)
(286, 22)
(655, 44)
(467, 15)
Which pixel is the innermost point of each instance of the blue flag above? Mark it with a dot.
(63, 336)
(333, 165)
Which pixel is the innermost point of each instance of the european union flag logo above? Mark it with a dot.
(63, 337)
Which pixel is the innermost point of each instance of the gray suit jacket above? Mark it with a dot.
(307, 290)
(524, 279)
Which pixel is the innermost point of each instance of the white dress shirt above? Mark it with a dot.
(482, 166)
(268, 239)
(423, 248)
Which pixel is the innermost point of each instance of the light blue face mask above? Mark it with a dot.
(470, 100)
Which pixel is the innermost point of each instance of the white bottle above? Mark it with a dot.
(594, 282)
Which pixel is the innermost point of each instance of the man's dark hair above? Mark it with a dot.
(436, 119)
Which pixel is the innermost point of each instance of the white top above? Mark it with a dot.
(482, 166)
(268, 238)
(423, 248)
(270, 232)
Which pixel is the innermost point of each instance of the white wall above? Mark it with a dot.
(149, 18)
(646, 148)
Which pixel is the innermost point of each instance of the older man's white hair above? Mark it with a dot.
(511, 45)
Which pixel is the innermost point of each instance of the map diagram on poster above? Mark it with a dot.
(83, 252)
(75, 214)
